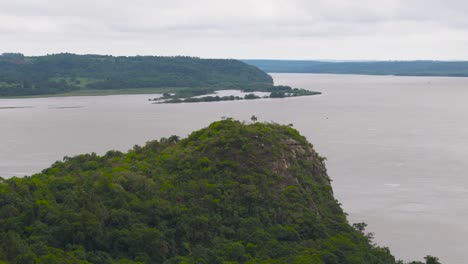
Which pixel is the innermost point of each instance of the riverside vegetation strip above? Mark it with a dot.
(190, 96)
(228, 193)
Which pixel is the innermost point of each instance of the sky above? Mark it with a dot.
(241, 29)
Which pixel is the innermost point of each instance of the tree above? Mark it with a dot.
(431, 260)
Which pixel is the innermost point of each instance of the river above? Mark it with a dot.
(396, 147)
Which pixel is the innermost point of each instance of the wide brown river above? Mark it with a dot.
(397, 147)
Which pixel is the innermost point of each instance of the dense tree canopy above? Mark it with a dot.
(59, 73)
(229, 193)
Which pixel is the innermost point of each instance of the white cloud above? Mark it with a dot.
(297, 29)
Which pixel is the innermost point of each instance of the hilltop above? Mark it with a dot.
(229, 193)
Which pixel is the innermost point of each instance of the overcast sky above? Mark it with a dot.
(290, 29)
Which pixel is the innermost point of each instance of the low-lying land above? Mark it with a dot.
(206, 95)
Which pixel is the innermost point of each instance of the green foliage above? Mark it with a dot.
(429, 260)
(188, 96)
(60, 73)
(229, 193)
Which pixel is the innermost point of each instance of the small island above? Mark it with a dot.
(185, 96)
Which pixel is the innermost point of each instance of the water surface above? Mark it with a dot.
(396, 146)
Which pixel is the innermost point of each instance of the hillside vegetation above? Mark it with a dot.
(61, 73)
(228, 193)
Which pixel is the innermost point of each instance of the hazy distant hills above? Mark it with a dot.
(62, 73)
(400, 68)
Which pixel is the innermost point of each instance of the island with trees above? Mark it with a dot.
(229, 193)
(270, 91)
(185, 77)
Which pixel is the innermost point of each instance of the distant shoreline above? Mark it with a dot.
(392, 68)
(109, 92)
(366, 74)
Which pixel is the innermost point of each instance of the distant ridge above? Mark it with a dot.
(61, 73)
(399, 68)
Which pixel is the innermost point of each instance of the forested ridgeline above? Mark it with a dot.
(61, 73)
(228, 193)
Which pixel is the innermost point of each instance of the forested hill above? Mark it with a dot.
(399, 68)
(60, 73)
(229, 193)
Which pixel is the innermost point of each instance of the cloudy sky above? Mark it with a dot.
(290, 29)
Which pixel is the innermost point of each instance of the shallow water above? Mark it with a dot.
(396, 146)
(241, 94)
